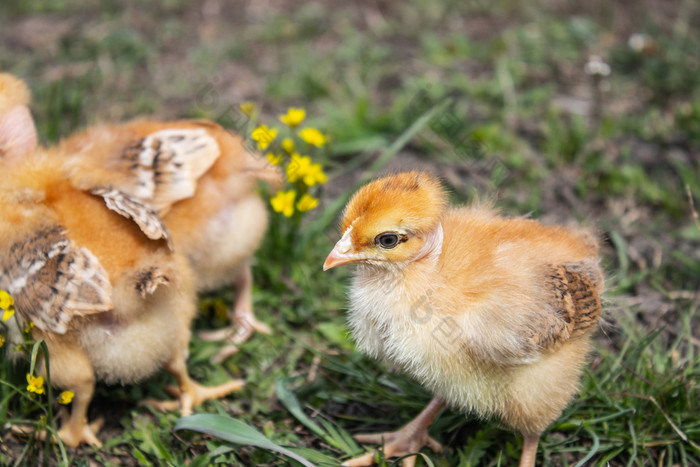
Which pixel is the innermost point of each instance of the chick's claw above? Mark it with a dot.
(194, 395)
(87, 433)
(409, 439)
(246, 324)
(396, 444)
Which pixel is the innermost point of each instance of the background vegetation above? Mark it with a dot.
(513, 116)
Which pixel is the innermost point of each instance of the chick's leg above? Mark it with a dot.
(188, 392)
(76, 430)
(72, 370)
(409, 439)
(244, 322)
(530, 442)
(243, 308)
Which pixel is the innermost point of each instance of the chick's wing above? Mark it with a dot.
(166, 164)
(574, 303)
(141, 159)
(133, 209)
(52, 280)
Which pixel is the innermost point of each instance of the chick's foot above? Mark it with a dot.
(409, 439)
(71, 434)
(245, 327)
(87, 433)
(196, 394)
(244, 322)
(193, 395)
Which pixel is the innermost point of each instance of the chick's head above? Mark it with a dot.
(17, 131)
(391, 220)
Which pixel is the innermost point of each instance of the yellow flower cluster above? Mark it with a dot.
(300, 170)
(283, 202)
(35, 384)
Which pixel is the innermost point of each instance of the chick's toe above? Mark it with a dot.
(409, 439)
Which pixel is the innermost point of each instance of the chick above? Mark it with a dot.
(202, 182)
(492, 315)
(19, 134)
(92, 270)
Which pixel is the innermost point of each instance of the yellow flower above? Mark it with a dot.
(274, 159)
(283, 202)
(307, 203)
(7, 303)
(264, 136)
(28, 327)
(66, 397)
(298, 167)
(6, 300)
(36, 384)
(293, 117)
(288, 145)
(301, 168)
(314, 175)
(313, 137)
(8, 313)
(2, 340)
(247, 107)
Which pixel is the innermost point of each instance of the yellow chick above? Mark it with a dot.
(202, 182)
(93, 271)
(492, 315)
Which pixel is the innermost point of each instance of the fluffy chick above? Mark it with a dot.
(492, 315)
(202, 182)
(19, 134)
(93, 272)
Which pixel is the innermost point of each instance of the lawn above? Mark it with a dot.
(504, 100)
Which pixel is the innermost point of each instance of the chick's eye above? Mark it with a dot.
(387, 240)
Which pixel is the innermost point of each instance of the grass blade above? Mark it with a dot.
(594, 448)
(290, 401)
(234, 431)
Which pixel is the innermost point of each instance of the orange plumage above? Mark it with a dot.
(201, 180)
(493, 315)
(92, 269)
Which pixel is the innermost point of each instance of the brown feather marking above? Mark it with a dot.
(53, 281)
(147, 281)
(133, 209)
(166, 164)
(574, 289)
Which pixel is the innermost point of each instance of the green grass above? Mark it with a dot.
(510, 122)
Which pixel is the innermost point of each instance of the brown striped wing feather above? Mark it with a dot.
(53, 281)
(165, 165)
(574, 298)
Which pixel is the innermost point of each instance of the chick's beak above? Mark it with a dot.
(341, 254)
(335, 259)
